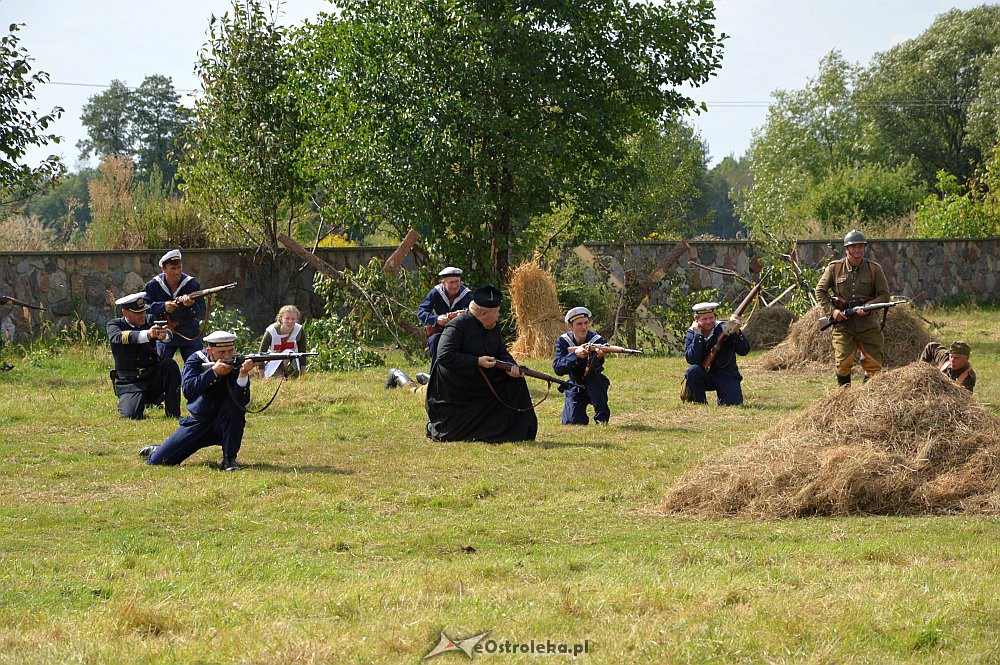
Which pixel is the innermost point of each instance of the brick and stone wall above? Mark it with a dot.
(82, 285)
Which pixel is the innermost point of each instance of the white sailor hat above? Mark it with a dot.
(135, 302)
(704, 307)
(576, 313)
(172, 255)
(450, 271)
(220, 338)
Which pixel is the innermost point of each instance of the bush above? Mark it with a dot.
(337, 348)
(974, 213)
(232, 320)
(862, 194)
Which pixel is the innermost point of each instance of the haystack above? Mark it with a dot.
(905, 337)
(536, 311)
(768, 326)
(908, 442)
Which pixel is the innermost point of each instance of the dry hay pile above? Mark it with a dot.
(536, 311)
(768, 326)
(908, 442)
(905, 338)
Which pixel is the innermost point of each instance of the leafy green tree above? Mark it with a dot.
(921, 93)
(241, 159)
(725, 185)
(22, 129)
(66, 206)
(469, 119)
(108, 117)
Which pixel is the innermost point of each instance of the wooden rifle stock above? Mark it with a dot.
(607, 348)
(527, 371)
(431, 330)
(706, 364)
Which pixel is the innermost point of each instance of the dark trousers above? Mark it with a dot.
(432, 345)
(726, 385)
(193, 434)
(593, 391)
(161, 384)
(186, 347)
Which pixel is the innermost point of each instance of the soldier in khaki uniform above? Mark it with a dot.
(953, 362)
(854, 280)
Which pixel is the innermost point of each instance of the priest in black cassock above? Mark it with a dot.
(460, 404)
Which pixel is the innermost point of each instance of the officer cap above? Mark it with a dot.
(855, 237)
(221, 339)
(487, 296)
(172, 255)
(705, 308)
(577, 313)
(961, 349)
(135, 302)
(450, 271)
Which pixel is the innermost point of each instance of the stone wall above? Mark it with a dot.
(83, 285)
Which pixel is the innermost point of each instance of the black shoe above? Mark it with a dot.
(230, 464)
(423, 378)
(147, 451)
(844, 380)
(390, 379)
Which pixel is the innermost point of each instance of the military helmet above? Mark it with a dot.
(855, 237)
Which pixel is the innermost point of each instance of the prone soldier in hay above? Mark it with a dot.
(442, 304)
(854, 281)
(585, 366)
(953, 362)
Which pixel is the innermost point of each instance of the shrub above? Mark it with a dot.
(337, 348)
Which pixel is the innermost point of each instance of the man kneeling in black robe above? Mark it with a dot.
(460, 404)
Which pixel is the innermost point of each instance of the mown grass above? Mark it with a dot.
(354, 539)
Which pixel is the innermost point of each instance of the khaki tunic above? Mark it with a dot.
(859, 285)
(940, 357)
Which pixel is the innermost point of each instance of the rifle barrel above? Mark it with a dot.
(527, 371)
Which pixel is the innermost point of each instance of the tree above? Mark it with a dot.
(726, 185)
(22, 129)
(469, 119)
(922, 93)
(241, 160)
(142, 124)
(64, 208)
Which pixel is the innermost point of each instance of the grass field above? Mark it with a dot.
(353, 539)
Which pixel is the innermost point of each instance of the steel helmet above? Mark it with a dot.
(855, 237)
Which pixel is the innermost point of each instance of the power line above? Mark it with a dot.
(106, 86)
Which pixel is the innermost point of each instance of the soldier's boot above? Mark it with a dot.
(146, 451)
(844, 380)
(230, 464)
(397, 377)
(864, 379)
(423, 378)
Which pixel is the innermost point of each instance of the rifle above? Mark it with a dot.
(431, 330)
(7, 300)
(606, 348)
(172, 324)
(828, 321)
(238, 360)
(527, 371)
(706, 364)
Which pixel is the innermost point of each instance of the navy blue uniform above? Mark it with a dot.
(216, 418)
(141, 377)
(188, 318)
(592, 385)
(435, 304)
(724, 377)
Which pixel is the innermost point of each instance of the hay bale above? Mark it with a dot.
(537, 313)
(908, 442)
(768, 326)
(905, 338)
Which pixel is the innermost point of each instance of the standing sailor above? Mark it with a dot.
(166, 293)
(443, 303)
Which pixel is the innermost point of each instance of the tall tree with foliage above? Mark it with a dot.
(108, 118)
(725, 186)
(21, 129)
(922, 95)
(469, 119)
(241, 161)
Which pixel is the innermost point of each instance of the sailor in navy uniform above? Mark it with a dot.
(585, 368)
(449, 297)
(140, 376)
(173, 284)
(217, 399)
(724, 376)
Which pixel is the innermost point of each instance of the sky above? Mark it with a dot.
(772, 45)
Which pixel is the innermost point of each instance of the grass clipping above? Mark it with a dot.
(768, 326)
(908, 442)
(905, 338)
(536, 311)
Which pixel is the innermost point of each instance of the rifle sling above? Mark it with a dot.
(500, 399)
